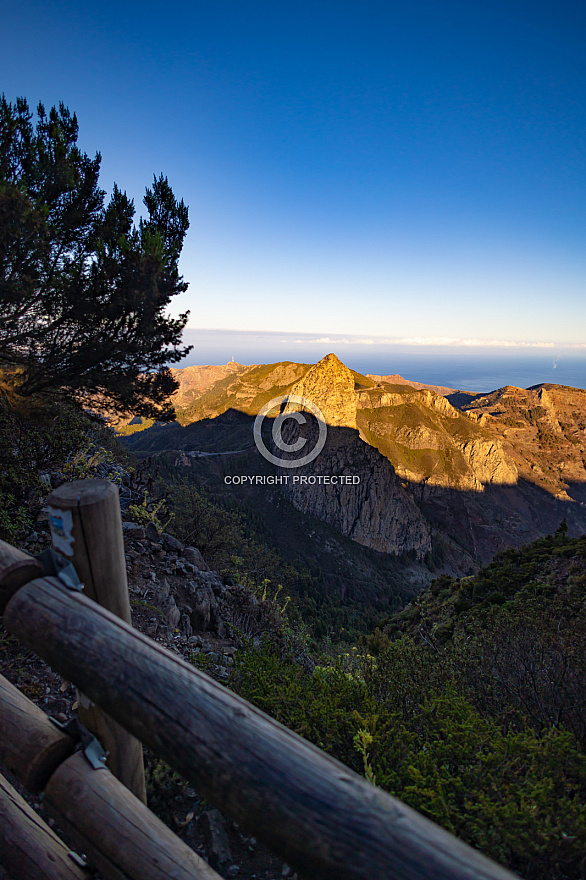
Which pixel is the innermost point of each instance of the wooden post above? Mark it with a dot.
(119, 835)
(29, 850)
(87, 529)
(322, 818)
(31, 746)
(16, 568)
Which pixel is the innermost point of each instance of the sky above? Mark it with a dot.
(383, 173)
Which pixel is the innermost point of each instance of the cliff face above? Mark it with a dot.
(429, 441)
(372, 507)
(460, 476)
(443, 477)
(488, 462)
(542, 430)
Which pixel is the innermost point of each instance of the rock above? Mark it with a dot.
(171, 543)
(205, 610)
(183, 460)
(329, 385)
(164, 590)
(214, 828)
(133, 531)
(151, 533)
(172, 613)
(173, 617)
(185, 626)
(488, 462)
(375, 510)
(193, 556)
(201, 643)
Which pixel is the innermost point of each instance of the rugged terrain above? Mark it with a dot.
(178, 601)
(447, 478)
(542, 429)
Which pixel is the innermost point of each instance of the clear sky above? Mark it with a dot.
(411, 170)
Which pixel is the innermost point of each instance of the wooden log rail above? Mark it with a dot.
(319, 816)
(87, 528)
(31, 747)
(29, 849)
(16, 569)
(119, 834)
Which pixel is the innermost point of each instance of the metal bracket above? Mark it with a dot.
(78, 859)
(85, 741)
(56, 565)
(95, 754)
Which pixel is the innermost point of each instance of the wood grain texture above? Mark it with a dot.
(98, 544)
(31, 747)
(117, 832)
(29, 850)
(98, 558)
(319, 816)
(16, 568)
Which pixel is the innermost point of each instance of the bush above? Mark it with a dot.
(404, 719)
(42, 444)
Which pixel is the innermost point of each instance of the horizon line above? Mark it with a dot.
(411, 341)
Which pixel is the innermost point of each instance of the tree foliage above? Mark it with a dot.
(83, 290)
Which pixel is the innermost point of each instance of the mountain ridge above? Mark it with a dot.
(458, 475)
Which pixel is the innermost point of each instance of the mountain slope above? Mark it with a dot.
(542, 428)
(445, 479)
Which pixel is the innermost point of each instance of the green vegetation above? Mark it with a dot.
(386, 427)
(469, 705)
(83, 291)
(39, 437)
(247, 544)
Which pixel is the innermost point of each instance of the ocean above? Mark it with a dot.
(473, 368)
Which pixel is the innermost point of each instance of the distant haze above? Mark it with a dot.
(467, 367)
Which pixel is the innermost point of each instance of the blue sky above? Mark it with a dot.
(412, 171)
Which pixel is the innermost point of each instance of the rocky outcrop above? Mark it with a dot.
(542, 430)
(485, 470)
(371, 399)
(370, 506)
(550, 411)
(404, 434)
(329, 385)
(283, 375)
(488, 462)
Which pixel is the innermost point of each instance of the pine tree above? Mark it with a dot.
(83, 290)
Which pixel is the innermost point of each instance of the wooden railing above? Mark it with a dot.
(320, 817)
